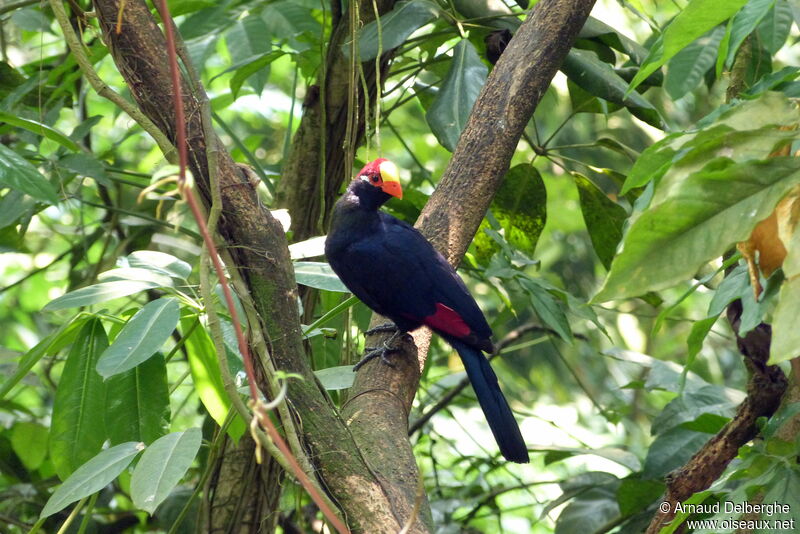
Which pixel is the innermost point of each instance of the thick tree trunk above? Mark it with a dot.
(374, 484)
(306, 189)
(258, 245)
(381, 396)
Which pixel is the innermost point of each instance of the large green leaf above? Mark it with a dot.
(785, 334)
(140, 338)
(747, 130)
(775, 27)
(547, 307)
(319, 275)
(744, 23)
(97, 293)
(698, 17)
(336, 378)
(288, 19)
(688, 67)
(207, 377)
(598, 78)
(690, 405)
(671, 449)
(696, 220)
(137, 403)
(160, 262)
(603, 217)
(590, 510)
(520, 208)
(86, 165)
(40, 129)
(162, 466)
(77, 430)
(16, 173)
(29, 441)
(92, 476)
(395, 27)
(450, 110)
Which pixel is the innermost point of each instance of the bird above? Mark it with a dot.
(393, 269)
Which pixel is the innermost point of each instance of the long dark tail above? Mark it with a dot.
(495, 407)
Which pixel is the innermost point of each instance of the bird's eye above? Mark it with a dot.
(374, 179)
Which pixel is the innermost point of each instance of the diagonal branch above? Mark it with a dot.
(382, 396)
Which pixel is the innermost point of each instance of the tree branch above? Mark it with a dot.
(764, 392)
(258, 245)
(382, 395)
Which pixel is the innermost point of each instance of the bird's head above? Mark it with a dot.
(377, 182)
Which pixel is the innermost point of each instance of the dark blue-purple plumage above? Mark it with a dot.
(395, 271)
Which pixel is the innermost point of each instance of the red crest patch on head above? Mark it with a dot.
(373, 167)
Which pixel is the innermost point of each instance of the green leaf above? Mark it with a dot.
(137, 403)
(248, 40)
(288, 19)
(97, 293)
(395, 27)
(458, 91)
(590, 510)
(136, 274)
(775, 27)
(16, 173)
(251, 67)
(670, 450)
(336, 378)
(697, 220)
(318, 275)
(635, 495)
(689, 66)
(64, 334)
(698, 17)
(598, 78)
(86, 165)
(692, 404)
(619, 456)
(92, 476)
(162, 466)
(603, 217)
(547, 307)
(694, 342)
(77, 431)
(783, 488)
(40, 129)
(29, 441)
(31, 19)
(160, 263)
(140, 338)
(744, 23)
(747, 130)
(785, 334)
(207, 377)
(520, 208)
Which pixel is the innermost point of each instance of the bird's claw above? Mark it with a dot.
(377, 352)
(385, 327)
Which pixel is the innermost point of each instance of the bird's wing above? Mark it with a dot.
(438, 296)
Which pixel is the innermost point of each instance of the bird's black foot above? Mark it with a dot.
(385, 327)
(381, 352)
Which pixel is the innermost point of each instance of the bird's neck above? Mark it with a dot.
(353, 213)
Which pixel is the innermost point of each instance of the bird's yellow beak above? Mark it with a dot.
(391, 179)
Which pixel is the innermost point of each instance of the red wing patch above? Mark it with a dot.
(448, 321)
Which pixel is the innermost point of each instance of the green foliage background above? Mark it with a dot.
(635, 177)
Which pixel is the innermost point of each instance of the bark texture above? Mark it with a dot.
(382, 395)
(305, 189)
(765, 389)
(258, 245)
